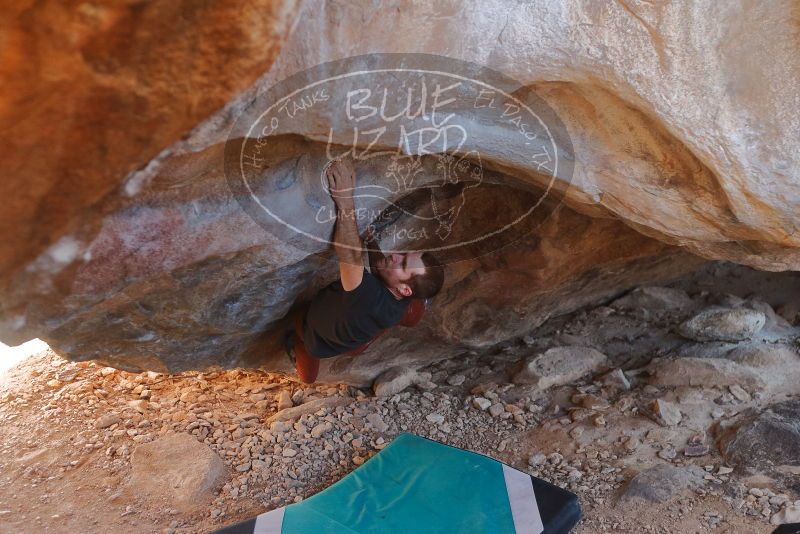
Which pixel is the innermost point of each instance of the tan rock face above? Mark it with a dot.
(125, 244)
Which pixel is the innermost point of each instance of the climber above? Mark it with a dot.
(347, 315)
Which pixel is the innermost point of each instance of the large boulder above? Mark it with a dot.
(704, 372)
(176, 471)
(125, 240)
(765, 440)
(654, 299)
(662, 483)
(560, 365)
(723, 324)
(770, 368)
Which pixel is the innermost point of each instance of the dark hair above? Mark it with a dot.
(428, 284)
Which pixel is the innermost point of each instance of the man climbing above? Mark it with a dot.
(347, 315)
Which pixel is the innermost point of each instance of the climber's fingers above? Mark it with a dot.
(341, 176)
(369, 234)
(331, 180)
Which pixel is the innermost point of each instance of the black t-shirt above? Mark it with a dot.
(339, 321)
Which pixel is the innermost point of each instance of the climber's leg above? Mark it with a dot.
(306, 365)
(358, 350)
(414, 312)
(412, 316)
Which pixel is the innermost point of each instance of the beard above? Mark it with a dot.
(376, 260)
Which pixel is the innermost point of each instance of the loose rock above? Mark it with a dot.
(176, 469)
(696, 450)
(537, 459)
(663, 482)
(395, 380)
(456, 380)
(290, 414)
(740, 393)
(654, 298)
(107, 420)
(435, 418)
(760, 440)
(723, 324)
(377, 422)
(481, 403)
(789, 514)
(616, 379)
(663, 412)
(496, 409)
(701, 372)
(284, 400)
(560, 365)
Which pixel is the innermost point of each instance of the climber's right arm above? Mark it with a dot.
(347, 243)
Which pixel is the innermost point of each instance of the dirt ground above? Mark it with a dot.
(53, 482)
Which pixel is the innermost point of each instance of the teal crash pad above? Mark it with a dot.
(418, 485)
